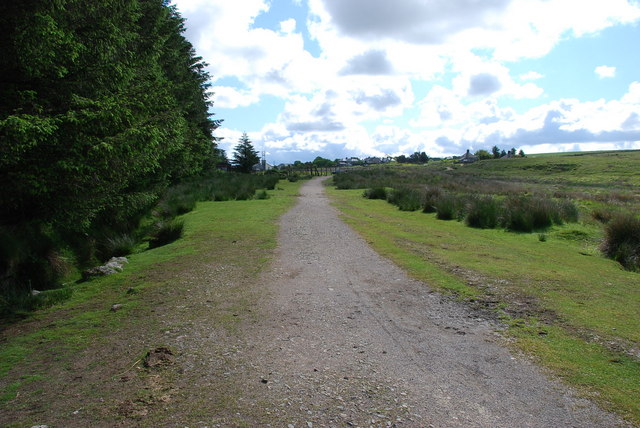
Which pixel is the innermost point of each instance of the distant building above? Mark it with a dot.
(467, 158)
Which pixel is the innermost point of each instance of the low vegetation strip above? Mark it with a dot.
(575, 311)
(95, 352)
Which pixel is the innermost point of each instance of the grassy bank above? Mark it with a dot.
(225, 245)
(573, 310)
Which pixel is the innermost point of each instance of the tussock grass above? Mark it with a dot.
(121, 245)
(405, 198)
(165, 232)
(375, 193)
(483, 212)
(622, 241)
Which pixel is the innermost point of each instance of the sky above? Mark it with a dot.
(338, 78)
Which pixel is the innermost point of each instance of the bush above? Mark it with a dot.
(448, 207)
(482, 213)
(405, 198)
(166, 231)
(622, 241)
(375, 193)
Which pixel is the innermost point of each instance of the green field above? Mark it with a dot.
(572, 309)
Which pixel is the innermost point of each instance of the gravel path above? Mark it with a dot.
(345, 338)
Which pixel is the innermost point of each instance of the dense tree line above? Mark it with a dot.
(102, 105)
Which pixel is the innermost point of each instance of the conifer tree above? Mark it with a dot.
(244, 155)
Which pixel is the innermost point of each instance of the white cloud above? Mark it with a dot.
(369, 64)
(228, 97)
(532, 75)
(288, 26)
(604, 71)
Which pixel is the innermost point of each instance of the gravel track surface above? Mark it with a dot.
(345, 338)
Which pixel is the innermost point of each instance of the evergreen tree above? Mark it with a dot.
(496, 152)
(244, 155)
(102, 105)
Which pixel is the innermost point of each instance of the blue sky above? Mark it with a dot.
(337, 78)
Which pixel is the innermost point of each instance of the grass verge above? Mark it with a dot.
(575, 312)
(79, 348)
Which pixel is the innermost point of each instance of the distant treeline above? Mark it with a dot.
(103, 105)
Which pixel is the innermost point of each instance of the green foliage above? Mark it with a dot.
(622, 241)
(321, 162)
(483, 154)
(244, 155)
(102, 106)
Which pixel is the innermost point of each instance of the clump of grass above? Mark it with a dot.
(569, 212)
(261, 194)
(603, 215)
(165, 232)
(448, 207)
(526, 214)
(482, 213)
(119, 246)
(405, 198)
(431, 196)
(622, 241)
(178, 200)
(542, 237)
(375, 193)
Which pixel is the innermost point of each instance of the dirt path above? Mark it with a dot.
(345, 338)
(332, 335)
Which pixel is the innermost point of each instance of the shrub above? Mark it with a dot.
(482, 213)
(375, 193)
(622, 241)
(166, 232)
(431, 196)
(526, 214)
(405, 198)
(448, 207)
(120, 246)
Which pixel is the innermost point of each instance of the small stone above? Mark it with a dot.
(36, 292)
(116, 307)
